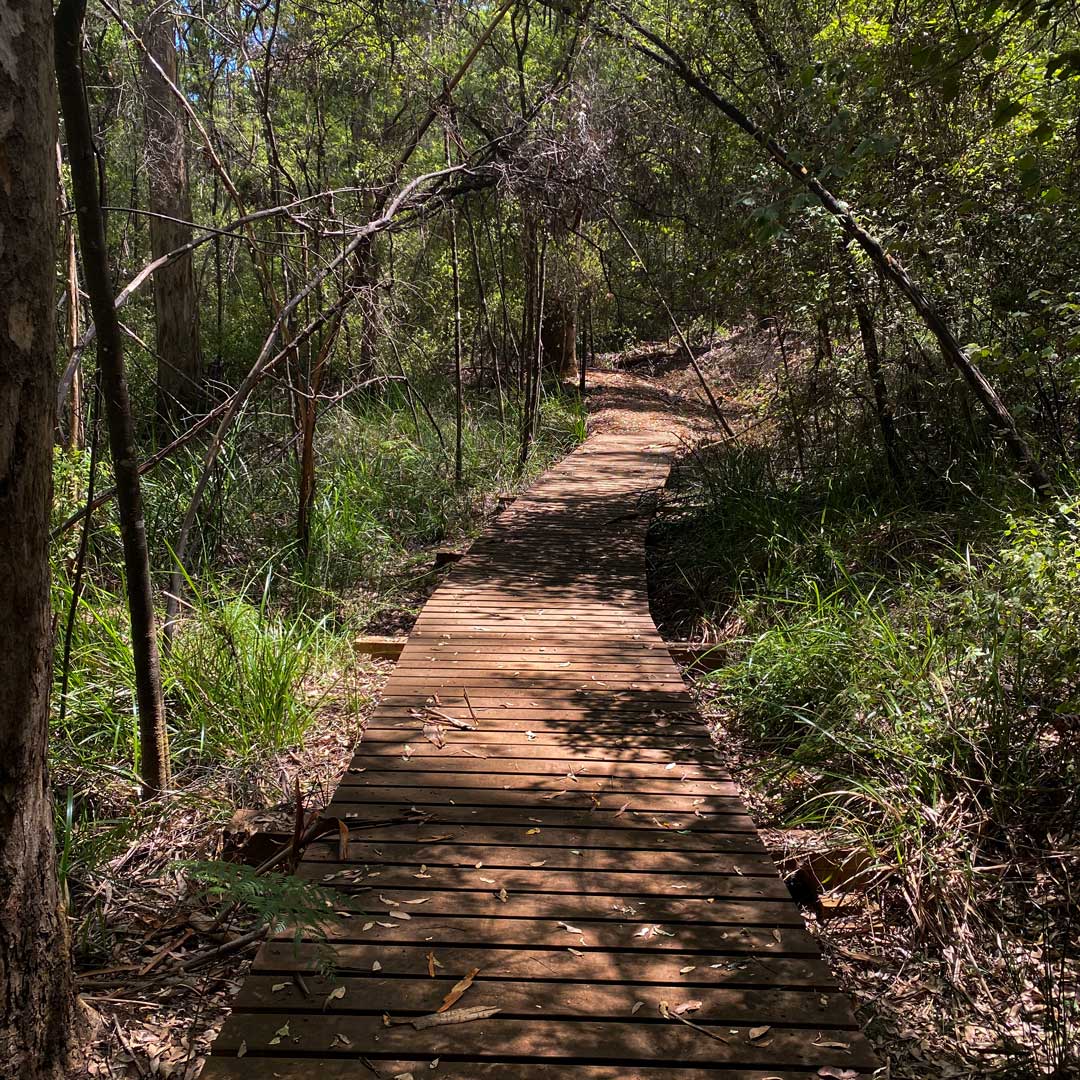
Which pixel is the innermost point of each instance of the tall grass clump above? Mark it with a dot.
(905, 677)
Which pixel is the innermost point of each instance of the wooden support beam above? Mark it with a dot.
(692, 653)
(379, 645)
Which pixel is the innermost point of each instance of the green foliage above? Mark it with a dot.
(278, 901)
(915, 694)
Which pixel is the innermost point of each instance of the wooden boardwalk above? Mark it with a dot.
(578, 845)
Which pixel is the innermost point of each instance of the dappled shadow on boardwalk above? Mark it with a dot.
(535, 810)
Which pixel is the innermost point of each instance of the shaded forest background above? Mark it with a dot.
(386, 237)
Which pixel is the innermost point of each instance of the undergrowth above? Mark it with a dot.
(903, 671)
(266, 628)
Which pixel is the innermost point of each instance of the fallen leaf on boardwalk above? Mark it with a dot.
(685, 1007)
(241, 1050)
(554, 794)
(458, 989)
(435, 839)
(335, 995)
(622, 809)
(407, 752)
(637, 1006)
(531, 832)
(423, 872)
(367, 926)
(832, 1045)
(652, 931)
(576, 952)
(686, 970)
(340, 1040)
(530, 736)
(277, 987)
(376, 966)
(422, 900)
(836, 1073)
(432, 964)
(434, 735)
(280, 1034)
(402, 1076)
(433, 1063)
(400, 915)
(667, 1013)
(758, 1032)
(571, 929)
(455, 1016)
(540, 863)
(343, 841)
(391, 903)
(503, 895)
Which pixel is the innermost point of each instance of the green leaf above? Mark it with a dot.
(1005, 111)
(1052, 196)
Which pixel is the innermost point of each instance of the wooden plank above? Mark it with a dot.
(255, 1068)
(487, 900)
(569, 796)
(494, 856)
(484, 832)
(470, 773)
(348, 877)
(437, 931)
(546, 817)
(592, 966)
(497, 1038)
(374, 993)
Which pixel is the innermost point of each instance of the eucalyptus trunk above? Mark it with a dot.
(36, 989)
(176, 311)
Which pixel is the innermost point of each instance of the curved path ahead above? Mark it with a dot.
(536, 802)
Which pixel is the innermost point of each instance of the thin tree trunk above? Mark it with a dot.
(176, 311)
(796, 422)
(882, 408)
(886, 264)
(459, 403)
(36, 989)
(75, 435)
(153, 741)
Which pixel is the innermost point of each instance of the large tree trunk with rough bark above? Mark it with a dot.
(153, 741)
(559, 336)
(36, 998)
(176, 312)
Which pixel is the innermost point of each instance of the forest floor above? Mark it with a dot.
(156, 1005)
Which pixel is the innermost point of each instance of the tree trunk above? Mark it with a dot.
(179, 354)
(455, 267)
(882, 409)
(36, 990)
(75, 439)
(559, 336)
(154, 746)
